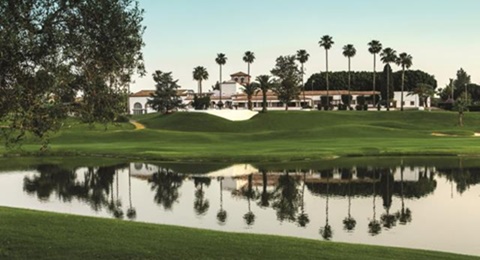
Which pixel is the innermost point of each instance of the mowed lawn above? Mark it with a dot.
(274, 136)
(38, 235)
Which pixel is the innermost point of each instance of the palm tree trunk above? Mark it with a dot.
(374, 77)
(200, 87)
(403, 83)
(388, 89)
(220, 86)
(303, 86)
(349, 83)
(249, 102)
(328, 87)
(264, 105)
(248, 79)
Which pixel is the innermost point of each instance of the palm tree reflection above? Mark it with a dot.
(201, 205)
(302, 218)
(222, 214)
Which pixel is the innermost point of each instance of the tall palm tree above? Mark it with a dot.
(375, 48)
(326, 42)
(302, 57)
(388, 56)
(221, 60)
(349, 51)
(250, 90)
(222, 214)
(249, 57)
(404, 60)
(199, 74)
(265, 83)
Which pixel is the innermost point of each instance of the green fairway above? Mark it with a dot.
(274, 136)
(36, 235)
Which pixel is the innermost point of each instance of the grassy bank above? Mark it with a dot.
(275, 136)
(37, 235)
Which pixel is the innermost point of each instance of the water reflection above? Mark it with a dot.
(334, 203)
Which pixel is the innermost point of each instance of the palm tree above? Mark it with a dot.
(404, 60)
(131, 212)
(250, 89)
(249, 57)
(424, 92)
(375, 48)
(199, 74)
(326, 42)
(349, 51)
(388, 56)
(265, 83)
(222, 214)
(221, 60)
(302, 57)
(302, 218)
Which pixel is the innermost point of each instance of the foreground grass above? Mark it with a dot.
(275, 136)
(36, 235)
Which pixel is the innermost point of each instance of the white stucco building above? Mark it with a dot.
(409, 101)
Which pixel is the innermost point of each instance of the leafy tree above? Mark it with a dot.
(461, 82)
(374, 48)
(424, 92)
(52, 50)
(265, 83)
(349, 51)
(201, 205)
(288, 87)
(250, 89)
(405, 61)
(165, 98)
(221, 60)
(326, 42)
(302, 57)
(199, 74)
(249, 58)
(388, 56)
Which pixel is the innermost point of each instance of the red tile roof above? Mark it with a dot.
(147, 93)
(240, 74)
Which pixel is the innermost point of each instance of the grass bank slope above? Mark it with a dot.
(274, 136)
(37, 235)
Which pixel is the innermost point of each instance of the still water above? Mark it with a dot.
(417, 205)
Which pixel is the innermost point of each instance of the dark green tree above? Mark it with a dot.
(388, 56)
(288, 86)
(52, 50)
(165, 98)
(386, 93)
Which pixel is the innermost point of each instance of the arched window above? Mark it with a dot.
(137, 109)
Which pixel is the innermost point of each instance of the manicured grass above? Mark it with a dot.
(274, 136)
(29, 234)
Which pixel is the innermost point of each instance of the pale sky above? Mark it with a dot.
(441, 35)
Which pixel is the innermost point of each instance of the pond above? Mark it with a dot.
(430, 203)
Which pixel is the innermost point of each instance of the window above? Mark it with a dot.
(412, 103)
(137, 109)
(242, 79)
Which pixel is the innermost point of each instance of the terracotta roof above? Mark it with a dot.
(240, 74)
(146, 93)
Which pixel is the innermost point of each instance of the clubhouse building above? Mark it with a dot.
(232, 97)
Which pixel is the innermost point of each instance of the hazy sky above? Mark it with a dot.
(441, 35)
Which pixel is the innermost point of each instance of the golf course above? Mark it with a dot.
(271, 137)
